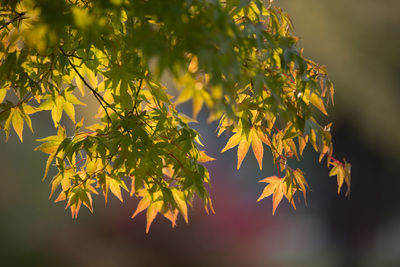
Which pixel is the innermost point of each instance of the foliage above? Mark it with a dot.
(238, 58)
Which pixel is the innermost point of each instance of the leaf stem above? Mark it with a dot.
(277, 167)
(337, 161)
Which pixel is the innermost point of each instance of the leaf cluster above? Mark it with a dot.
(237, 58)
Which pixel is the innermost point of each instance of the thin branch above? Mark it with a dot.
(98, 96)
(11, 21)
(26, 99)
(277, 167)
(337, 161)
(140, 87)
(179, 162)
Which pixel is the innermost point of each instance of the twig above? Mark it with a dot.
(277, 167)
(98, 96)
(337, 161)
(14, 19)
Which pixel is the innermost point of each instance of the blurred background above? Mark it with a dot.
(359, 43)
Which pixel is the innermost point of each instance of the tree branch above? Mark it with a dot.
(98, 96)
(12, 20)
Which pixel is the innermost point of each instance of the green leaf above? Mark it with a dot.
(158, 91)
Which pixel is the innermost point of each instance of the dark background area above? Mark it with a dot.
(359, 43)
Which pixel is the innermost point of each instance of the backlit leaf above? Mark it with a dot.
(239, 59)
(57, 109)
(242, 151)
(274, 187)
(3, 92)
(268, 190)
(180, 200)
(197, 105)
(18, 122)
(79, 83)
(194, 65)
(203, 157)
(70, 110)
(257, 146)
(171, 215)
(300, 181)
(151, 214)
(142, 205)
(340, 177)
(318, 102)
(232, 142)
(115, 187)
(277, 197)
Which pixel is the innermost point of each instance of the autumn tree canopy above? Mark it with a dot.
(238, 58)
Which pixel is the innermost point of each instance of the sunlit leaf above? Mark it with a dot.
(232, 142)
(79, 83)
(180, 200)
(3, 92)
(203, 157)
(257, 146)
(18, 123)
(239, 60)
(318, 102)
(115, 187)
(274, 187)
(142, 205)
(242, 151)
(151, 214)
(70, 110)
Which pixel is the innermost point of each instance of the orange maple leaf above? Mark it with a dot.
(275, 188)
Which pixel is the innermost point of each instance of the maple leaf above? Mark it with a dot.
(142, 205)
(151, 214)
(342, 172)
(275, 188)
(257, 146)
(232, 142)
(203, 157)
(242, 151)
(140, 134)
(300, 181)
(256, 139)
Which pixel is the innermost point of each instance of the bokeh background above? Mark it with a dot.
(359, 42)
